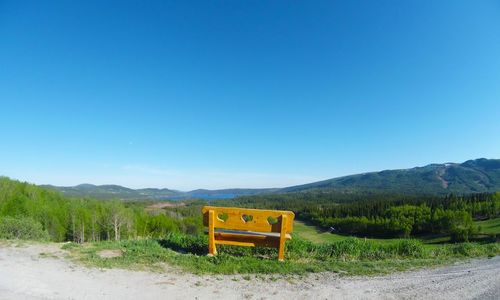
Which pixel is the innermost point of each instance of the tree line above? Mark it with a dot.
(385, 215)
(85, 220)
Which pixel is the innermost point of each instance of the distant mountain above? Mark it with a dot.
(472, 176)
(123, 193)
(226, 193)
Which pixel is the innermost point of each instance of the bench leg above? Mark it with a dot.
(212, 250)
(281, 250)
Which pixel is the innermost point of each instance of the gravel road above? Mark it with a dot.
(40, 271)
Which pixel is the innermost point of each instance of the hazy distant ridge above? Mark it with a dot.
(472, 176)
(120, 192)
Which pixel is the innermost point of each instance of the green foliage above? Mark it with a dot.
(461, 234)
(468, 250)
(22, 228)
(383, 215)
(84, 220)
(409, 248)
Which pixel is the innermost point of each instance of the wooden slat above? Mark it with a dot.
(236, 243)
(249, 235)
(250, 241)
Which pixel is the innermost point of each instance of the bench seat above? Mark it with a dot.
(227, 232)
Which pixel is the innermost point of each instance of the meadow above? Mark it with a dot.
(319, 235)
(350, 256)
(310, 250)
(491, 226)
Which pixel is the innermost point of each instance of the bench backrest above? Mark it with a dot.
(260, 220)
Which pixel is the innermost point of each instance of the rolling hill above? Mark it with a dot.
(472, 176)
(124, 193)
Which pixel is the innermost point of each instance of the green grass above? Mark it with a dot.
(310, 250)
(349, 256)
(314, 234)
(491, 226)
(319, 236)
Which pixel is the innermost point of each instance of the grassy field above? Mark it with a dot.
(491, 226)
(348, 256)
(310, 250)
(318, 236)
(313, 234)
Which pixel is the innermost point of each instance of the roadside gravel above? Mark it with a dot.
(40, 271)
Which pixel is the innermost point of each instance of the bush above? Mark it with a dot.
(23, 229)
(346, 249)
(462, 233)
(468, 250)
(298, 248)
(409, 248)
(353, 248)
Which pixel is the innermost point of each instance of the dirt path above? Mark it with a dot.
(35, 272)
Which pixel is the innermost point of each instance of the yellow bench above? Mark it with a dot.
(247, 227)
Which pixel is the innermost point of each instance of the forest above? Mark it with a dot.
(384, 215)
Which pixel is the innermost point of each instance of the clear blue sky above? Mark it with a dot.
(216, 94)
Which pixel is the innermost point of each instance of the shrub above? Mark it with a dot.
(462, 233)
(23, 229)
(409, 248)
(298, 248)
(345, 249)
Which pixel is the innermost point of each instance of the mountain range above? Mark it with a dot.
(119, 192)
(472, 176)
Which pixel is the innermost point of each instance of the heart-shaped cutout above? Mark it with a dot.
(247, 218)
(272, 220)
(222, 217)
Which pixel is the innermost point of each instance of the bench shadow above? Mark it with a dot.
(263, 253)
(183, 248)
